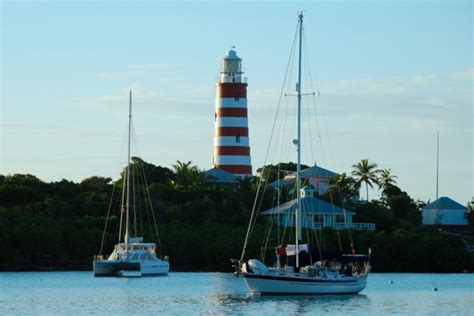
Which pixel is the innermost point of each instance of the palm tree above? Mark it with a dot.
(386, 179)
(342, 188)
(365, 172)
(186, 175)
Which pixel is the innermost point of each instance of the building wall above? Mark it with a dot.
(444, 217)
(321, 184)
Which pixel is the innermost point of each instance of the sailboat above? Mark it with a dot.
(131, 256)
(341, 274)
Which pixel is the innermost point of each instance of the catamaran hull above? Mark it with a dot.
(273, 285)
(123, 268)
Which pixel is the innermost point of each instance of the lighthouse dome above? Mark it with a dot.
(231, 55)
(231, 67)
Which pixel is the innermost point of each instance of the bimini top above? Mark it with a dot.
(444, 203)
(231, 55)
(309, 205)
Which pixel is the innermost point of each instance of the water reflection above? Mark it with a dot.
(68, 293)
(289, 304)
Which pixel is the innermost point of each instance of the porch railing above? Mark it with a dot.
(355, 226)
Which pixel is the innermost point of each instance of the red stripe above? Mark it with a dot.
(231, 90)
(236, 169)
(232, 131)
(231, 151)
(232, 112)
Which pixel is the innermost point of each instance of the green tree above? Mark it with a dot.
(386, 179)
(386, 182)
(365, 172)
(402, 205)
(95, 183)
(342, 189)
(154, 174)
(470, 213)
(186, 175)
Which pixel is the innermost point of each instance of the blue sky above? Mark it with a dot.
(390, 74)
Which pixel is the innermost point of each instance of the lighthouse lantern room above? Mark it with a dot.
(231, 136)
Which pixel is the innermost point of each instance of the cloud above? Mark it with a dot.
(382, 85)
(103, 101)
(467, 74)
(150, 67)
(111, 76)
(54, 130)
(138, 69)
(158, 103)
(412, 104)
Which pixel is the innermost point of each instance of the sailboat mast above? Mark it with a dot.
(437, 164)
(127, 215)
(298, 146)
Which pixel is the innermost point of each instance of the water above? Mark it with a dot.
(46, 293)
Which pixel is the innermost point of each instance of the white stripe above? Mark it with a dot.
(232, 160)
(230, 141)
(231, 122)
(231, 103)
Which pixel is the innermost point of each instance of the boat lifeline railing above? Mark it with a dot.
(355, 226)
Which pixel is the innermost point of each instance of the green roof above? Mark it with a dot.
(309, 205)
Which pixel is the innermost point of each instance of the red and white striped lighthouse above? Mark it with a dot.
(231, 136)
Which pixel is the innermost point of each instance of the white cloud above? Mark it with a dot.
(382, 85)
(376, 108)
(150, 67)
(157, 103)
(138, 69)
(111, 76)
(467, 74)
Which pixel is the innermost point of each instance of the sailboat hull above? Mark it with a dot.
(276, 285)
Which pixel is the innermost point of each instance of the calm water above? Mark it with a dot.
(222, 293)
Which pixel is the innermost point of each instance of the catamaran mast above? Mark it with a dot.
(127, 207)
(298, 149)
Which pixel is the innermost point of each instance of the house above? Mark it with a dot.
(444, 211)
(317, 176)
(217, 175)
(316, 213)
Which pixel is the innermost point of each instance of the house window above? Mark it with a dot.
(318, 219)
(237, 138)
(215, 117)
(339, 219)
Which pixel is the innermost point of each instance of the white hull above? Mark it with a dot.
(272, 285)
(125, 268)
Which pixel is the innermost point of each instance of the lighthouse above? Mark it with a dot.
(231, 135)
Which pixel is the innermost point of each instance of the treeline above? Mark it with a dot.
(202, 224)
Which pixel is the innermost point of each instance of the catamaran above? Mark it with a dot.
(131, 256)
(338, 274)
